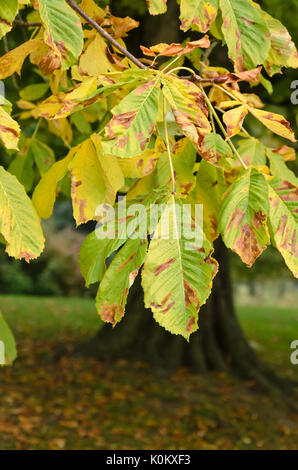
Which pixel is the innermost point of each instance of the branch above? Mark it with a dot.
(23, 23)
(105, 35)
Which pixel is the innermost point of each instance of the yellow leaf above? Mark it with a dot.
(93, 67)
(19, 223)
(61, 105)
(62, 129)
(275, 122)
(234, 119)
(13, 61)
(111, 171)
(45, 192)
(87, 183)
(9, 130)
(143, 164)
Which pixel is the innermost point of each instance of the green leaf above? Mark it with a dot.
(8, 350)
(183, 157)
(279, 168)
(19, 223)
(188, 106)
(252, 152)
(112, 232)
(242, 219)
(209, 191)
(177, 276)
(8, 11)
(216, 150)
(132, 126)
(34, 92)
(245, 32)
(119, 277)
(282, 48)
(157, 7)
(22, 167)
(198, 14)
(63, 30)
(45, 193)
(283, 220)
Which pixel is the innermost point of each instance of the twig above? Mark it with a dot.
(207, 54)
(105, 35)
(28, 25)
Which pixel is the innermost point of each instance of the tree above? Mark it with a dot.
(167, 132)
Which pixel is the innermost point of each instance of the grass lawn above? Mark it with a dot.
(78, 403)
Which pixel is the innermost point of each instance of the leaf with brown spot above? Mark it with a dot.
(275, 122)
(234, 118)
(245, 32)
(118, 278)
(9, 130)
(198, 14)
(174, 49)
(129, 131)
(283, 220)
(189, 108)
(62, 31)
(177, 274)
(12, 61)
(183, 159)
(242, 219)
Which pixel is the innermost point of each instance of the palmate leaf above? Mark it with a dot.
(8, 11)
(112, 233)
(242, 219)
(283, 220)
(246, 33)
(177, 276)
(19, 223)
(198, 14)
(133, 124)
(8, 350)
(63, 30)
(120, 275)
(189, 108)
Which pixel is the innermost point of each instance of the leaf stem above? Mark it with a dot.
(36, 128)
(212, 110)
(168, 147)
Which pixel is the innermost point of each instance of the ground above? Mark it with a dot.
(77, 403)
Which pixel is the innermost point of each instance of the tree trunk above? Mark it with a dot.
(218, 345)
